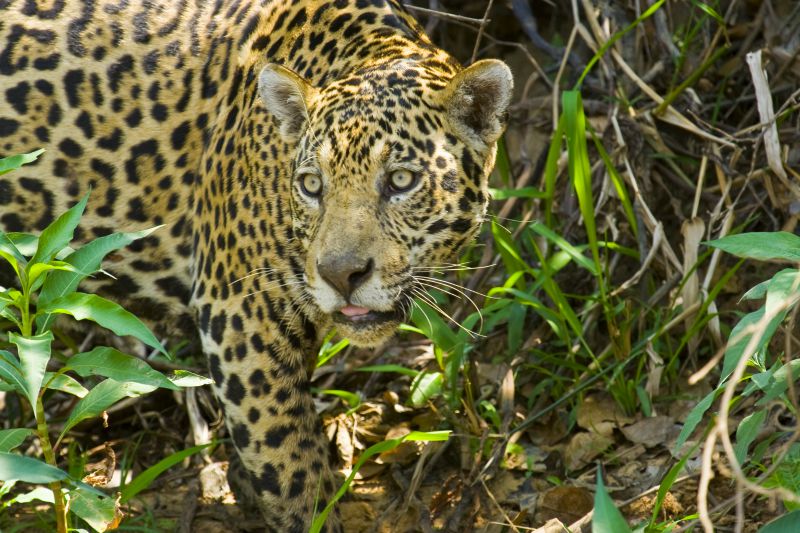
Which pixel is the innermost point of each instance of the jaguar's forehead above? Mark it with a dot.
(373, 123)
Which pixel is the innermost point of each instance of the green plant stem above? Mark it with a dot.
(50, 457)
(25, 314)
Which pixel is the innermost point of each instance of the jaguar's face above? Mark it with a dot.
(389, 180)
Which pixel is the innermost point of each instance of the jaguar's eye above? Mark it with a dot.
(311, 184)
(402, 180)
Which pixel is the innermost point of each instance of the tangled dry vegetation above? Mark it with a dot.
(600, 327)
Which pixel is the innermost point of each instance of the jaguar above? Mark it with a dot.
(305, 158)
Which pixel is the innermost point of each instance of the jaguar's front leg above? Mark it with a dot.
(260, 377)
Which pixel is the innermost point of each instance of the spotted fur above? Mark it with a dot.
(270, 138)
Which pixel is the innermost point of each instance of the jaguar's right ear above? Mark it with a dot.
(286, 95)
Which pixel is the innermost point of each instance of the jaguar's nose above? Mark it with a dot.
(345, 273)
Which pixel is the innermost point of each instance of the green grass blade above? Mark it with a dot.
(146, 478)
(619, 184)
(385, 446)
(606, 517)
(551, 170)
(353, 400)
(580, 169)
(693, 419)
(614, 38)
(389, 368)
(664, 487)
(565, 245)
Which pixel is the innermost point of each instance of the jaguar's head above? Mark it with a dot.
(389, 179)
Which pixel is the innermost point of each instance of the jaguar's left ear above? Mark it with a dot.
(477, 101)
(287, 97)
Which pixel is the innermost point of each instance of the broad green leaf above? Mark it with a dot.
(375, 449)
(35, 283)
(111, 363)
(101, 397)
(606, 517)
(26, 243)
(787, 475)
(86, 261)
(65, 383)
(746, 433)
(740, 337)
(42, 494)
(782, 291)
(10, 372)
(59, 233)
(757, 292)
(104, 312)
(143, 480)
(98, 511)
(764, 246)
(694, 418)
(11, 254)
(389, 368)
(27, 469)
(7, 164)
(11, 438)
(425, 386)
(774, 382)
(34, 353)
(37, 269)
(788, 523)
(184, 378)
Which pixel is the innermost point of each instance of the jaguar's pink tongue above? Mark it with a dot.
(353, 310)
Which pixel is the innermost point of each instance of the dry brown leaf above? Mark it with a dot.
(651, 431)
(405, 452)
(565, 503)
(772, 143)
(583, 448)
(596, 409)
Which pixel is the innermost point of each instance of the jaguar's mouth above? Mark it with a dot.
(362, 317)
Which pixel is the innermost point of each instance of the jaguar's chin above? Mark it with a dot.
(367, 328)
